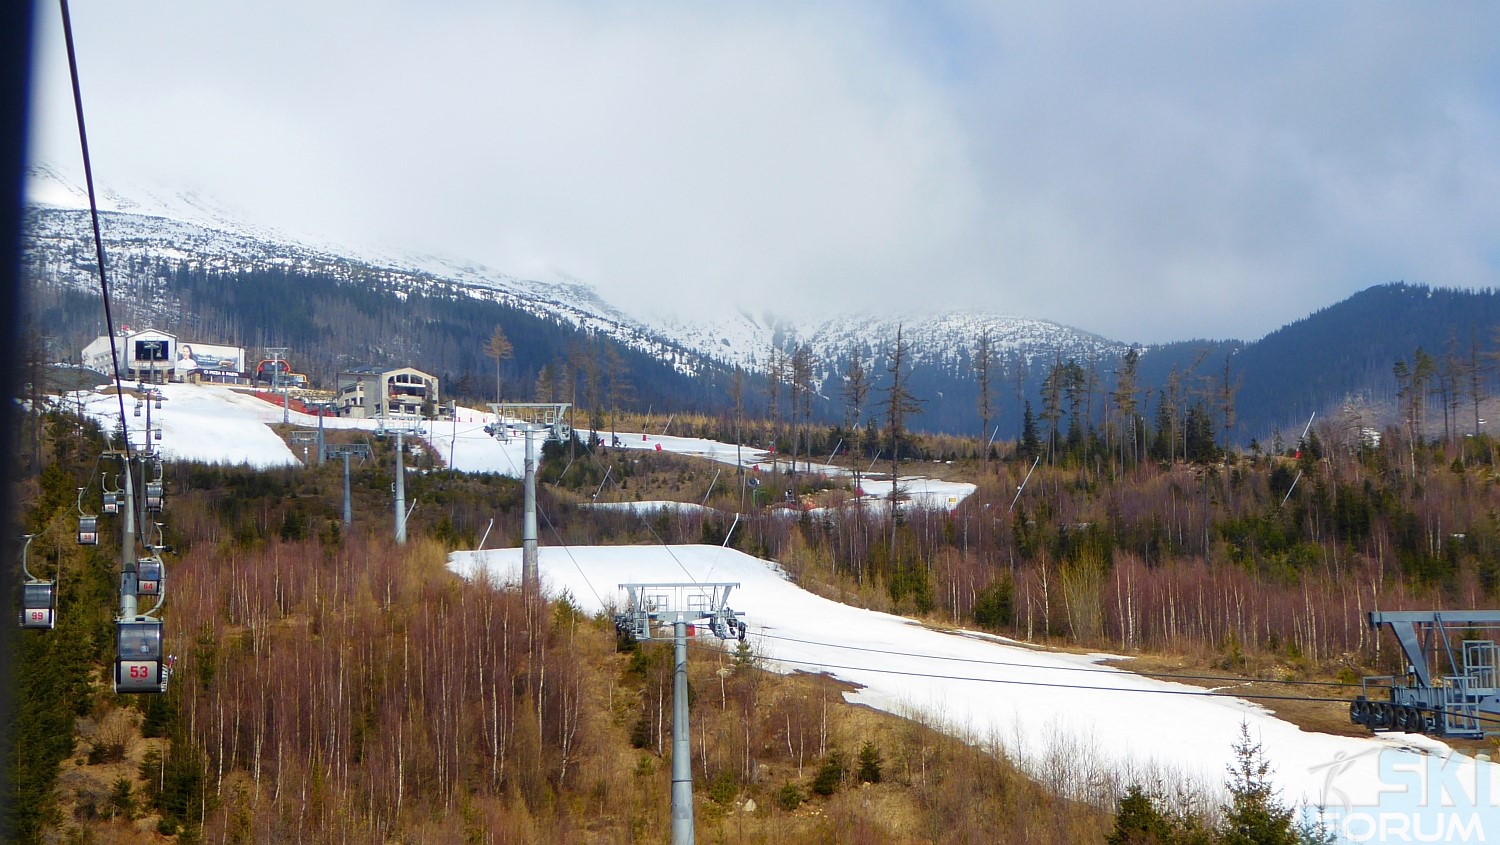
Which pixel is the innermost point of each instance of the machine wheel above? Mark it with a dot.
(1359, 711)
(1416, 723)
(1383, 714)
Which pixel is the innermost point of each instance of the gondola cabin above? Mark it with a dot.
(88, 530)
(150, 574)
(39, 604)
(139, 667)
(111, 503)
(155, 494)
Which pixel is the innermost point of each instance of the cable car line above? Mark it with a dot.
(140, 665)
(1085, 669)
(1239, 693)
(1203, 693)
(88, 178)
(1048, 684)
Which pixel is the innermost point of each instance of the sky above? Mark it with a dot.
(1147, 171)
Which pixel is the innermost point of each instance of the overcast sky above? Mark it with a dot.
(1149, 171)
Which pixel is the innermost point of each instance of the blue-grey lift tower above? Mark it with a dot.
(530, 419)
(1449, 689)
(648, 609)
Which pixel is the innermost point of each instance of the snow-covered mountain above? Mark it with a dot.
(145, 224)
(143, 231)
(939, 338)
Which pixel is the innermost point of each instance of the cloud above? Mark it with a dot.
(1148, 172)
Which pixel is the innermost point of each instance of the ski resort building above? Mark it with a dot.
(156, 356)
(371, 392)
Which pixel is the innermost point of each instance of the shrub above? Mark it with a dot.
(869, 763)
(830, 774)
(789, 797)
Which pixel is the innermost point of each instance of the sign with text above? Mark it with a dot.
(208, 356)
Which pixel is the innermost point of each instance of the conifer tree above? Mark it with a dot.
(1138, 822)
(983, 359)
(499, 348)
(1255, 815)
(869, 763)
(899, 404)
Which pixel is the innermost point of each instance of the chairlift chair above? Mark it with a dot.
(139, 667)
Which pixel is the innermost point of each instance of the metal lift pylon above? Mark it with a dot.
(679, 604)
(530, 418)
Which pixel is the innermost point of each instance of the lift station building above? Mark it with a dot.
(371, 392)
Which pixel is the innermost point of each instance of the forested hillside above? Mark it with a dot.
(331, 324)
(337, 686)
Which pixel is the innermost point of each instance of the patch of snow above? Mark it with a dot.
(1031, 702)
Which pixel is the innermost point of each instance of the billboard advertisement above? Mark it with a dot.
(209, 356)
(151, 350)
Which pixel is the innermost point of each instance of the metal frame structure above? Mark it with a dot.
(680, 604)
(530, 417)
(278, 357)
(345, 451)
(1463, 701)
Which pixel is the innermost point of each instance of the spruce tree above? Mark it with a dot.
(1255, 815)
(1138, 822)
(869, 763)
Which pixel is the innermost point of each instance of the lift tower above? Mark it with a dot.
(529, 418)
(679, 604)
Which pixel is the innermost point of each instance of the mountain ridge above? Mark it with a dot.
(165, 268)
(742, 340)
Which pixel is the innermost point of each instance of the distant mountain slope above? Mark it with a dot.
(1349, 349)
(180, 263)
(59, 248)
(334, 311)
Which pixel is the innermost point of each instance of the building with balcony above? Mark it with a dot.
(379, 392)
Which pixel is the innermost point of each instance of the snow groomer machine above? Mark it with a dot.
(1449, 689)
